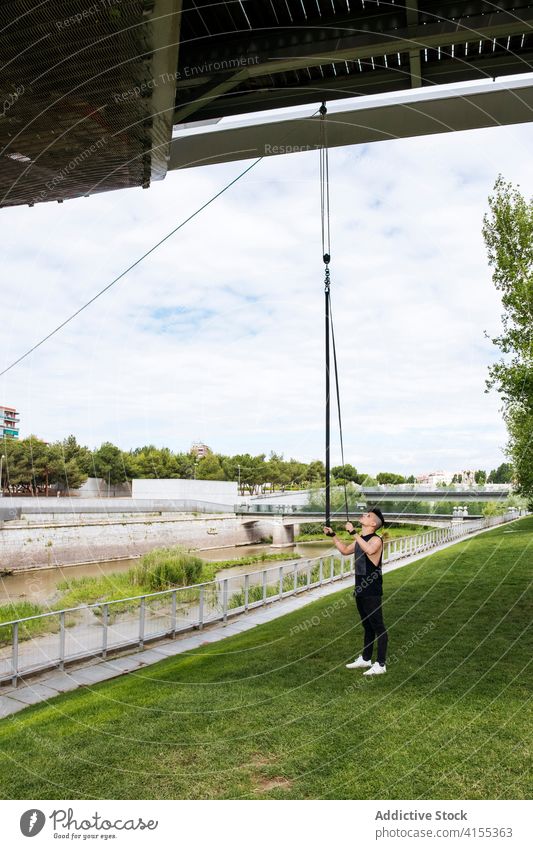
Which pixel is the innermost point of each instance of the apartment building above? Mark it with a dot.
(9, 419)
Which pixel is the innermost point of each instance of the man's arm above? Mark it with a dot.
(370, 546)
(340, 546)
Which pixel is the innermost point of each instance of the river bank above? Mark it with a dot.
(159, 571)
(34, 544)
(40, 585)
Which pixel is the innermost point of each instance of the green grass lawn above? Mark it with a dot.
(273, 713)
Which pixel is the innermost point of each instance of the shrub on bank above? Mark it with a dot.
(20, 609)
(160, 569)
(166, 567)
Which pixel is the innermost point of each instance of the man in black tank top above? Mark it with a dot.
(368, 550)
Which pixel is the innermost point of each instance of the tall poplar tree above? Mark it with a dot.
(508, 234)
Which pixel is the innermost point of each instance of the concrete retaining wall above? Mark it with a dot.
(37, 545)
(99, 488)
(32, 507)
(221, 492)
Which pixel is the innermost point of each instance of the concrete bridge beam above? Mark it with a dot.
(282, 535)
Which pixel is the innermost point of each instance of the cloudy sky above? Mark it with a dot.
(219, 335)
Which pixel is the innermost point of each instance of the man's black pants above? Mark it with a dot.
(369, 608)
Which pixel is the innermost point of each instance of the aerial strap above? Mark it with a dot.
(326, 256)
(339, 409)
(324, 187)
(324, 214)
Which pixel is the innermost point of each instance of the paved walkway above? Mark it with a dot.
(53, 682)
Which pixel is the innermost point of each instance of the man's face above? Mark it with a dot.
(369, 519)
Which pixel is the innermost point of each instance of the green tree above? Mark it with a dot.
(503, 474)
(369, 481)
(480, 476)
(297, 473)
(34, 466)
(64, 473)
(253, 471)
(73, 464)
(71, 450)
(17, 466)
(316, 472)
(389, 477)
(108, 463)
(346, 473)
(44, 464)
(184, 463)
(150, 462)
(508, 234)
(276, 473)
(210, 468)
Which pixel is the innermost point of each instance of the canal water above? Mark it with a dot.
(39, 585)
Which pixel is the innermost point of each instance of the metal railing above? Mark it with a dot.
(36, 643)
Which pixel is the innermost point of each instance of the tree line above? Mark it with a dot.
(32, 467)
(503, 474)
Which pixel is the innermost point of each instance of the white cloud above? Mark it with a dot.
(219, 334)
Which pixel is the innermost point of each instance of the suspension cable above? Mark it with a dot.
(329, 330)
(324, 217)
(143, 257)
(324, 186)
(132, 266)
(339, 408)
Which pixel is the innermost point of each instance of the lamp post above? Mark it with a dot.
(2, 457)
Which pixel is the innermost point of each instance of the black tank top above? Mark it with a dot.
(368, 578)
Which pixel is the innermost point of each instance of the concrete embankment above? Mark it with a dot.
(49, 540)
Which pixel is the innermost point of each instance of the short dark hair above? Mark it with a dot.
(377, 512)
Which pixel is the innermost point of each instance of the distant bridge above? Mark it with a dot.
(286, 519)
(378, 494)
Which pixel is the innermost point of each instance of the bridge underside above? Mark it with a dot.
(93, 92)
(286, 528)
(72, 121)
(416, 113)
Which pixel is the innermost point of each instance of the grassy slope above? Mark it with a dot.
(274, 713)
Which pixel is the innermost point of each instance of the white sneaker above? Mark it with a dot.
(360, 663)
(376, 669)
